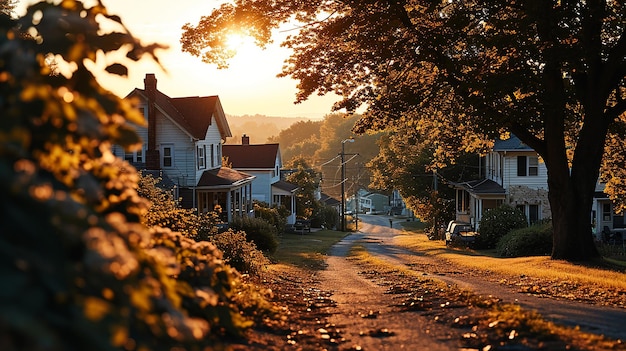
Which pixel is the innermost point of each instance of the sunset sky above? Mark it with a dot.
(249, 86)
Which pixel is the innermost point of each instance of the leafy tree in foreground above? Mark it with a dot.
(463, 73)
(79, 269)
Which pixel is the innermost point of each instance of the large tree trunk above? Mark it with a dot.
(571, 221)
(571, 191)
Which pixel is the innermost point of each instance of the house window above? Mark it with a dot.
(462, 201)
(606, 212)
(129, 156)
(533, 214)
(168, 156)
(212, 151)
(200, 152)
(533, 166)
(527, 166)
(139, 155)
(134, 156)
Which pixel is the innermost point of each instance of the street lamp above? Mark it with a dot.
(343, 181)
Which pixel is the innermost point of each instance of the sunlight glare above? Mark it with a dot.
(240, 43)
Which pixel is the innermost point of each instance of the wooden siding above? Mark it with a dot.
(510, 177)
(182, 171)
(213, 137)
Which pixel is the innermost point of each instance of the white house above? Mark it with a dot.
(264, 162)
(368, 202)
(514, 174)
(183, 142)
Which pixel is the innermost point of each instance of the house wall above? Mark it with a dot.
(261, 185)
(182, 171)
(510, 177)
(213, 160)
(519, 195)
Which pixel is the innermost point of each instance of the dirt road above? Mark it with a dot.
(367, 319)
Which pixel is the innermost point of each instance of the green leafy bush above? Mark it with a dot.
(326, 217)
(276, 216)
(258, 231)
(498, 222)
(531, 241)
(240, 253)
(163, 211)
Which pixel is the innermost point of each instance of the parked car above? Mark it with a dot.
(460, 233)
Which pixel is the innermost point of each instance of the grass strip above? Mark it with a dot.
(306, 250)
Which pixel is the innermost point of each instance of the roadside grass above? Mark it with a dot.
(498, 324)
(535, 266)
(306, 250)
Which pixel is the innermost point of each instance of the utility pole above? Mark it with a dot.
(343, 183)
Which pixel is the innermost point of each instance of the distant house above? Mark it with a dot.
(264, 162)
(183, 143)
(330, 201)
(368, 202)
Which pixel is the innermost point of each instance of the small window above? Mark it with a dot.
(533, 214)
(606, 212)
(139, 156)
(527, 166)
(129, 156)
(212, 156)
(201, 156)
(521, 166)
(533, 166)
(168, 156)
(462, 201)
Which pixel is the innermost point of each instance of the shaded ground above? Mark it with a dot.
(351, 307)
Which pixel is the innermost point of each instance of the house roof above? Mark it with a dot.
(482, 187)
(192, 114)
(511, 144)
(286, 186)
(328, 200)
(222, 177)
(260, 156)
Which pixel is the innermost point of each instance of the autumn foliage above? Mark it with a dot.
(80, 268)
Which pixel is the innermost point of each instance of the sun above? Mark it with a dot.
(240, 43)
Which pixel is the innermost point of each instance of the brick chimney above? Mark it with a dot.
(245, 140)
(153, 160)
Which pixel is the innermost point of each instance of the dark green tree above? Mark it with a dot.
(462, 73)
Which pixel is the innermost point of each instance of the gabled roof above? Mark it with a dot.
(285, 186)
(192, 114)
(222, 177)
(482, 187)
(511, 144)
(261, 156)
(328, 200)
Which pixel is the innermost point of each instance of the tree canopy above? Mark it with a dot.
(463, 73)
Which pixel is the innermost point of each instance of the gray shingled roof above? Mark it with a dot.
(482, 187)
(511, 144)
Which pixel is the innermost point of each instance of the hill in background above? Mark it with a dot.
(258, 127)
